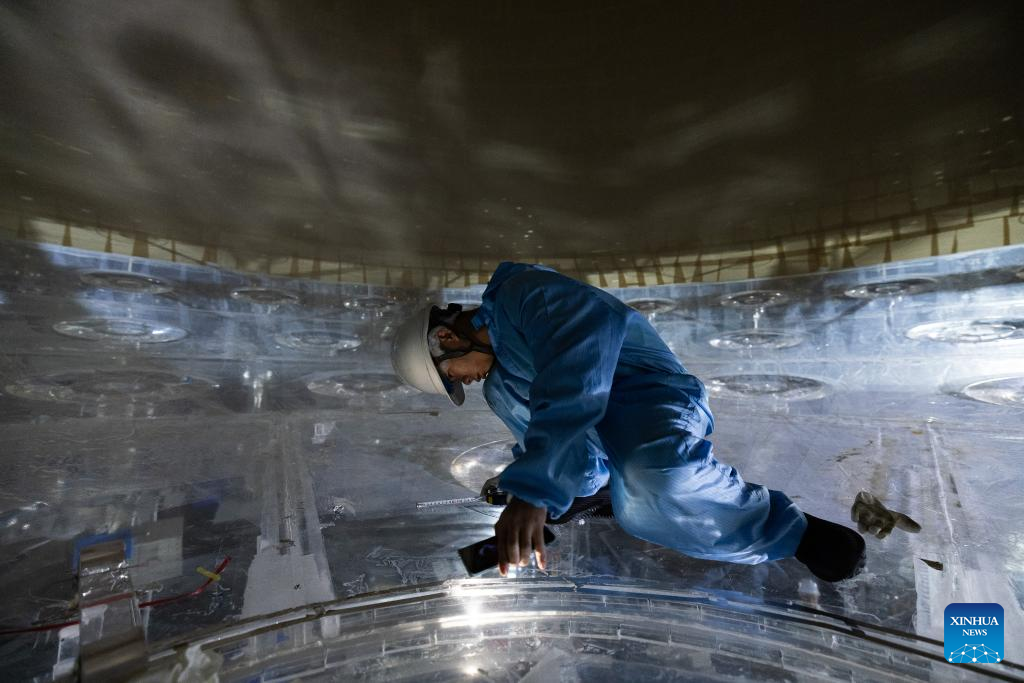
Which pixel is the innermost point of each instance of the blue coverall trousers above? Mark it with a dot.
(668, 488)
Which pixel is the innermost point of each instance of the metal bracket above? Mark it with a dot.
(112, 642)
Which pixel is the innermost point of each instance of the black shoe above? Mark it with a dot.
(831, 551)
(597, 505)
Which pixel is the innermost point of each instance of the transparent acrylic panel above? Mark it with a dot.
(293, 471)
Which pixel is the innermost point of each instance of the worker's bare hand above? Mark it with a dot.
(874, 518)
(519, 530)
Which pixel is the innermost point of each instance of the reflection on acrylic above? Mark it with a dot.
(370, 304)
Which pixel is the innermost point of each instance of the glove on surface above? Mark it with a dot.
(874, 518)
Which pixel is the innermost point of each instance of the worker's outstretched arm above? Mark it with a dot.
(575, 337)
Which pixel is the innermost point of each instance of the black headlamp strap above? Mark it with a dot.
(447, 318)
(462, 352)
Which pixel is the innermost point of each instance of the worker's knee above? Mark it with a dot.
(651, 517)
(674, 467)
(677, 495)
(640, 501)
(633, 515)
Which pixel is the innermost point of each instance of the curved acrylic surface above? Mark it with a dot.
(305, 467)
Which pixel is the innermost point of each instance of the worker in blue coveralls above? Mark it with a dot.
(599, 404)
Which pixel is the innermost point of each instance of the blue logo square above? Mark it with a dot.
(974, 633)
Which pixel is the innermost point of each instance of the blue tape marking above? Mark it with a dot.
(86, 541)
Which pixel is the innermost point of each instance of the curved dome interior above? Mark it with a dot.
(366, 142)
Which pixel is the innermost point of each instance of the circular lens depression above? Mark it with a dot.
(876, 290)
(318, 340)
(757, 298)
(342, 384)
(124, 281)
(969, 331)
(652, 306)
(121, 330)
(99, 386)
(1005, 391)
(756, 339)
(264, 296)
(782, 387)
(475, 466)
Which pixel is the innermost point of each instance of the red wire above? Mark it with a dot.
(44, 627)
(197, 591)
(150, 603)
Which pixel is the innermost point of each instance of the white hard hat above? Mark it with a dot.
(410, 356)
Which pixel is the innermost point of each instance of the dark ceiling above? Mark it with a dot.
(494, 128)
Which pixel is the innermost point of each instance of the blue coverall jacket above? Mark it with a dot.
(592, 393)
